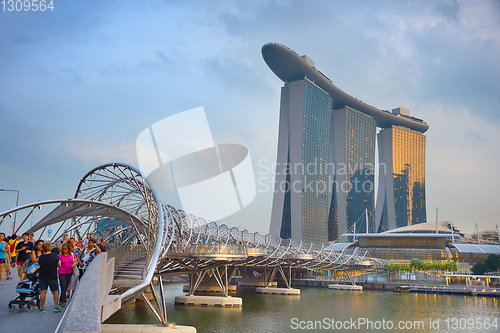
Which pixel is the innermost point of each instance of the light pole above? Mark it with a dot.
(17, 204)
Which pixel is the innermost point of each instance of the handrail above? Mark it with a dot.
(135, 291)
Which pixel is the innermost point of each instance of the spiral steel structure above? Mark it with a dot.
(169, 240)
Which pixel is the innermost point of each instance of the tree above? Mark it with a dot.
(453, 266)
(417, 265)
(388, 269)
(479, 268)
(491, 264)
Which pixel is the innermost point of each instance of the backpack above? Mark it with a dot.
(12, 247)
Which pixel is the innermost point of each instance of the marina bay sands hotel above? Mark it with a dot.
(324, 185)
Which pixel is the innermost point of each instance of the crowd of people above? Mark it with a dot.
(62, 264)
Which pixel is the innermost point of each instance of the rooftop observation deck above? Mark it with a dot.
(289, 66)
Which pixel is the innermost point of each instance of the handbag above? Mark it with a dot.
(7, 263)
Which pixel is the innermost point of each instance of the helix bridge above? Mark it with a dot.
(148, 240)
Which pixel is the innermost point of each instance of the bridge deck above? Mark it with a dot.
(43, 322)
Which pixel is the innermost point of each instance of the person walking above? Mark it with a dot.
(86, 240)
(64, 241)
(23, 250)
(4, 253)
(75, 250)
(37, 251)
(14, 240)
(68, 262)
(7, 260)
(49, 262)
(88, 255)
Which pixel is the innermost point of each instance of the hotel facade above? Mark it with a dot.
(324, 185)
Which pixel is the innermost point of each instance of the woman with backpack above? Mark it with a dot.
(14, 240)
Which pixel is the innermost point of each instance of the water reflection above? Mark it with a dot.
(266, 313)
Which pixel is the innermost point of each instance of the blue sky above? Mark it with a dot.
(78, 84)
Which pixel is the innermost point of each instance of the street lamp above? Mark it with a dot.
(17, 204)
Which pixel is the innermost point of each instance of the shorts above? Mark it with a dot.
(54, 285)
(20, 263)
(2, 261)
(13, 259)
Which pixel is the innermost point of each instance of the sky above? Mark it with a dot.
(78, 85)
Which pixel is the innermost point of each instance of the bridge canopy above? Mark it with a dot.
(73, 208)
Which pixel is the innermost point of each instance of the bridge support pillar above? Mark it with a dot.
(258, 278)
(215, 279)
(212, 281)
(280, 291)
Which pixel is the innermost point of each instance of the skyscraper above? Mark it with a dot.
(324, 183)
(401, 188)
(353, 152)
(300, 210)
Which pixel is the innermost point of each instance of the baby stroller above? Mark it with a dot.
(28, 289)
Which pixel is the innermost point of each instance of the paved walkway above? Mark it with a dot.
(30, 321)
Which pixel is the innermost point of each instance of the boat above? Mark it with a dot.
(402, 289)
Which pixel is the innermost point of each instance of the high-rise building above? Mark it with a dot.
(353, 152)
(401, 188)
(299, 209)
(324, 183)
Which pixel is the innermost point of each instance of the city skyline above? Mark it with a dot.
(79, 84)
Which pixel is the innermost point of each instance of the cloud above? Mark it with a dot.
(82, 83)
(98, 151)
(461, 164)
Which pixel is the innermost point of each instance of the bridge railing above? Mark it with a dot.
(210, 249)
(256, 252)
(125, 253)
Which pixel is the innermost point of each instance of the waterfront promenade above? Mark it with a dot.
(11, 321)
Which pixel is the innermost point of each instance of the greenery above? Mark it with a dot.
(420, 266)
(491, 264)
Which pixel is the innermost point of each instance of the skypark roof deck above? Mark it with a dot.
(289, 66)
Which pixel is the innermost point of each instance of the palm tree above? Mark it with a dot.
(435, 267)
(388, 269)
(427, 267)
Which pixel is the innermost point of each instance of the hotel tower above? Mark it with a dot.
(324, 185)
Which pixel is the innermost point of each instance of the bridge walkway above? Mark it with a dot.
(40, 322)
(130, 273)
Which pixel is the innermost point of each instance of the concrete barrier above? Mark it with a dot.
(91, 299)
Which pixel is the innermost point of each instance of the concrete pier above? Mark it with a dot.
(345, 287)
(256, 284)
(209, 301)
(278, 291)
(209, 289)
(119, 328)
